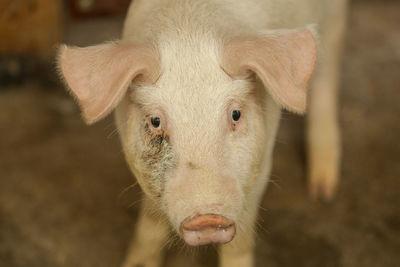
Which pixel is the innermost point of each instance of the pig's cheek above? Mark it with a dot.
(250, 149)
(157, 159)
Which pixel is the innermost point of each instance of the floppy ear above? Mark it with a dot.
(283, 60)
(100, 75)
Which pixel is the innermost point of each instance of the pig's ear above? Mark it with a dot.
(283, 60)
(100, 75)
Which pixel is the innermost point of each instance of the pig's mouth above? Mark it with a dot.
(207, 229)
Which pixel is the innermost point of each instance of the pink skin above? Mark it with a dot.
(192, 168)
(204, 172)
(194, 189)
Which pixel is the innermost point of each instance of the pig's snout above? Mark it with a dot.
(207, 229)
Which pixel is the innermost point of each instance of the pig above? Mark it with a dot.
(197, 87)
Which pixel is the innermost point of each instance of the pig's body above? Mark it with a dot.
(198, 132)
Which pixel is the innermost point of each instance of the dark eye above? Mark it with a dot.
(235, 115)
(156, 122)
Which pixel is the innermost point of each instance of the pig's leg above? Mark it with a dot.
(150, 236)
(240, 251)
(323, 129)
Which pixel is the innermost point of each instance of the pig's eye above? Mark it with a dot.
(156, 122)
(236, 115)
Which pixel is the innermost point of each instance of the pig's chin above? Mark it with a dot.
(207, 229)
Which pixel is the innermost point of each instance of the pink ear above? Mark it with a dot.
(100, 75)
(283, 60)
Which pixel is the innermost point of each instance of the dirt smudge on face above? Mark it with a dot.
(157, 157)
(192, 165)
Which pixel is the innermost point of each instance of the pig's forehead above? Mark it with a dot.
(195, 74)
(192, 80)
(198, 97)
(191, 61)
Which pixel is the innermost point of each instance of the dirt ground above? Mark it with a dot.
(62, 198)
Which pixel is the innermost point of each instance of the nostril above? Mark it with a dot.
(206, 229)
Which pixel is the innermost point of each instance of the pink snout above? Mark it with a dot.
(207, 229)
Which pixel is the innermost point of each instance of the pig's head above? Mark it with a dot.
(195, 117)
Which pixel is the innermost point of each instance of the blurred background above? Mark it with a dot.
(65, 194)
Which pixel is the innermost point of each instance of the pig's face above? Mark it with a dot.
(195, 141)
(196, 129)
